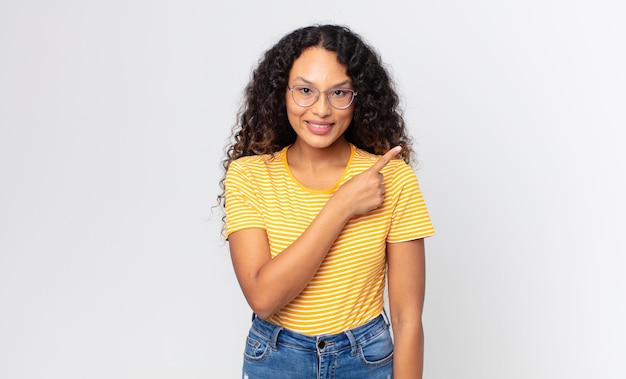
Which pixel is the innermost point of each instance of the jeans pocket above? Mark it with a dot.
(377, 350)
(256, 348)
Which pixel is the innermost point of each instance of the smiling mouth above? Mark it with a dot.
(319, 126)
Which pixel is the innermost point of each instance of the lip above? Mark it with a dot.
(319, 127)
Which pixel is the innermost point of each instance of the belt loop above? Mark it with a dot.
(274, 340)
(353, 344)
(385, 317)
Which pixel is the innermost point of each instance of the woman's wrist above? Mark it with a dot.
(340, 207)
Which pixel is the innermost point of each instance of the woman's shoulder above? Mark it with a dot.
(260, 160)
(251, 160)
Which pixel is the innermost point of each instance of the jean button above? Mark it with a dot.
(321, 344)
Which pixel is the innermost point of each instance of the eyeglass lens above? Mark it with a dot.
(340, 98)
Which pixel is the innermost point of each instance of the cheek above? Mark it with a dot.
(347, 117)
(294, 111)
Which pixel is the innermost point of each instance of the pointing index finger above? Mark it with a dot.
(389, 155)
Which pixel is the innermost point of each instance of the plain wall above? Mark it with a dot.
(113, 119)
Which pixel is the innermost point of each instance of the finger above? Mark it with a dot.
(389, 155)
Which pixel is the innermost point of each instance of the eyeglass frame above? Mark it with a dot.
(319, 92)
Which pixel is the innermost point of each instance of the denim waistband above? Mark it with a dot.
(325, 343)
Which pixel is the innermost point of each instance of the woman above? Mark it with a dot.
(319, 210)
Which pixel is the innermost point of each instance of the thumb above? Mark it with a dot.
(389, 155)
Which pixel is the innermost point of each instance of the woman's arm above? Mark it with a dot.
(406, 270)
(269, 284)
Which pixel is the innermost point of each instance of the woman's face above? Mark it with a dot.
(319, 125)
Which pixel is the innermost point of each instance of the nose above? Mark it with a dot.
(322, 106)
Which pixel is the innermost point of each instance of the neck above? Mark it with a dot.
(303, 155)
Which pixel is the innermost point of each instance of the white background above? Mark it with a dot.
(113, 119)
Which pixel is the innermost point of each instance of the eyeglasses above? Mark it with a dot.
(339, 98)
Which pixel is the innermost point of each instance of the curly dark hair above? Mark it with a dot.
(263, 127)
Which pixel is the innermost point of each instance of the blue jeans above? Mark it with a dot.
(273, 352)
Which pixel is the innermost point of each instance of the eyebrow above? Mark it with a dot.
(338, 85)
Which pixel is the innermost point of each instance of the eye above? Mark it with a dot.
(306, 91)
(338, 92)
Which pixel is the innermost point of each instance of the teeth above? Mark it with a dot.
(317, 126)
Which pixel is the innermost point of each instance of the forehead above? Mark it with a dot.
(318, 65)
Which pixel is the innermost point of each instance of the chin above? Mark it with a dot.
(321, 143)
